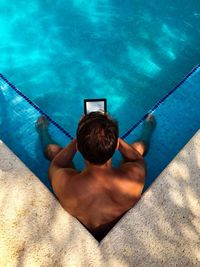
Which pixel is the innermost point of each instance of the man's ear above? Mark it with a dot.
(117, 147)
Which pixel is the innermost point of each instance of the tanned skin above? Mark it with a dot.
(100, 194)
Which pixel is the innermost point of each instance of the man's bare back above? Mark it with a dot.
(99, 198)
(99, 195)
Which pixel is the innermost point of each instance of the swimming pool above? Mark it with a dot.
(131, 53)
(177, 116)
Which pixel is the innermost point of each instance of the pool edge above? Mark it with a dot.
(40, 209)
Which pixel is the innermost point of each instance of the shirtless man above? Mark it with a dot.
(99, 195)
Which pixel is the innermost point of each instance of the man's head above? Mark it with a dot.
(97, 137)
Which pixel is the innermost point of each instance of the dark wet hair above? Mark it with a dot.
(97, 136)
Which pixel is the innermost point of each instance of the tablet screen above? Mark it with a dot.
(92, 105)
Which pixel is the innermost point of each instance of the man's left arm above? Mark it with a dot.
(62, 163)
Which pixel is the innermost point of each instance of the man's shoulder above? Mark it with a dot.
(131, 179)
(135, 171)
(62, 178)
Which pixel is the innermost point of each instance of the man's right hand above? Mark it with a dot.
(128, 152)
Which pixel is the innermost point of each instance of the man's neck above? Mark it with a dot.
(92, 167)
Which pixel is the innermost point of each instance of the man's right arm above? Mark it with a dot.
(128, 152)
(133, 162)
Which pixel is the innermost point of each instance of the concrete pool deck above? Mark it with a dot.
(163, 229)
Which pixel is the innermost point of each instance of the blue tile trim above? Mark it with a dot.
(160, 102)
(123, 136)
(36, 107)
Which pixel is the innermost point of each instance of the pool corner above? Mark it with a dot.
(161, 230)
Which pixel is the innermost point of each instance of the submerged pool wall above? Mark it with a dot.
(177, 116)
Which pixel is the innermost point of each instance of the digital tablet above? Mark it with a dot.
(91, 105)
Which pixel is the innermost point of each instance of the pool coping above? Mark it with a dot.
(161, 230)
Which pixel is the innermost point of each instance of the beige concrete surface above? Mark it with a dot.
(163, 229)
(34, 229)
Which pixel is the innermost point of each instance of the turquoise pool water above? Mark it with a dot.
(130, 52)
